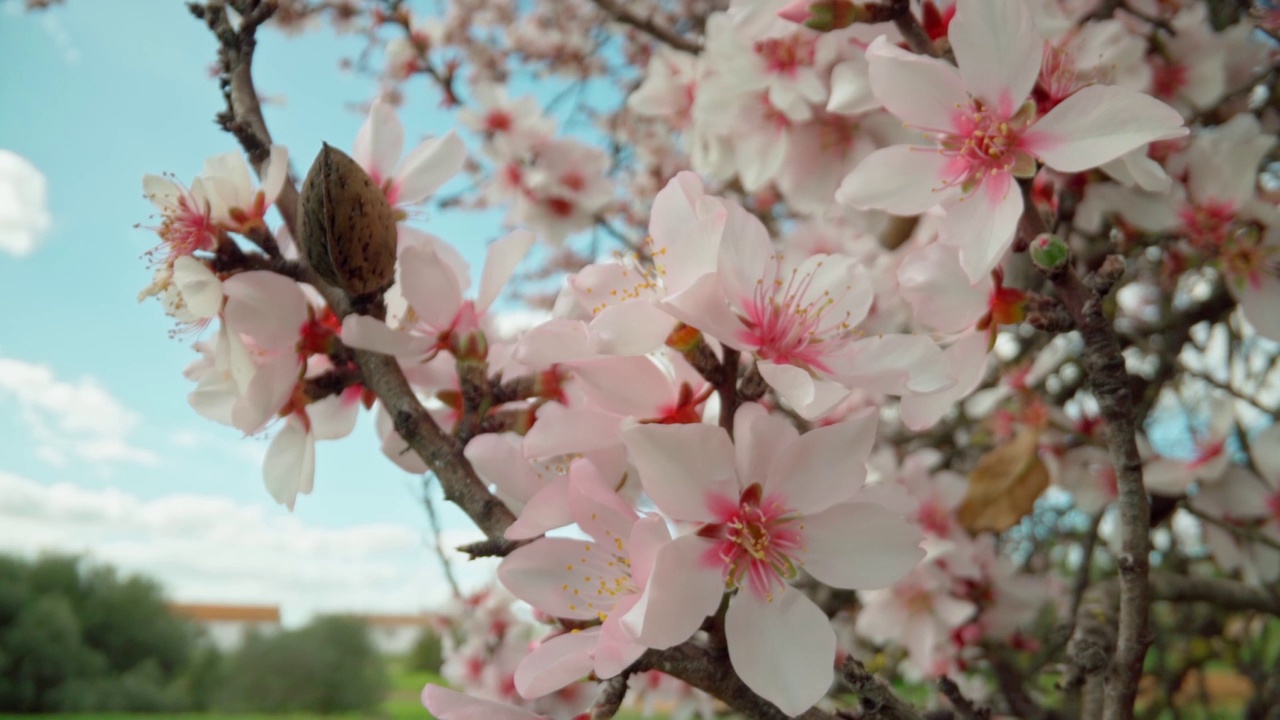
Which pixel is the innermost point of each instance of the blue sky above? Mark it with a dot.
(95, 95)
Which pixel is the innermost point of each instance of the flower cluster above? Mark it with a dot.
(855, 358)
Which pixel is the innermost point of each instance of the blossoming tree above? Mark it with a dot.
(873, 319)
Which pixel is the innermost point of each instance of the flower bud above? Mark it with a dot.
(1049, 252)
(346, 228)
(822, 15)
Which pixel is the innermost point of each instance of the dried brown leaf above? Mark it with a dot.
(1004, 485)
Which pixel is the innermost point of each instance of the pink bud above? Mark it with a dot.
(822, 15)
(797, 11)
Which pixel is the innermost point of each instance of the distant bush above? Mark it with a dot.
(428, 652)
(329, 666)
(75, 638)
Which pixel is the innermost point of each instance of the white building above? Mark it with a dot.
(395, 634)
(229, 625)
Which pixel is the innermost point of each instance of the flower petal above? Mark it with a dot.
(555, 663)
(560, 431)
(939, 291)
(289, 467)
(824, 466)
(275, 173)
(630, 328)
(759, 437)
(747, 256)
(860, 546)
(500, 264)
(705, 306)
(921, 91)
(682, 590)
(546, 510)
(982, 225)
(538, 573)
(430, 286)
(809, 396)
(998, 50)
(201, 290)
(368, 333)
(629, 385)
(684, 468)
(429, 166)
(783, 648)
(966, 362)
(446, 704)
(552, 342)
(1100, 123)
(266, 306)
(379, 142)
(899, 179)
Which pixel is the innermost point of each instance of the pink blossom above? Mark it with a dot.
(509, 127)
(438, 315)
(412, 180)
(765, 506)
(235, 204)
(447, 704)
(798, 318)
(615, 389)
(186, 225)
(599, 580)
(623, 298)
(987, 134)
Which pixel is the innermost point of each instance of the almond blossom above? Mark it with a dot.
(599, 580)
(986, 132)
(798, 318)
(766, 504)
(409, 181)
(438, 316)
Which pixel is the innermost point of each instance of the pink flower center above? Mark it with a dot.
(984, 142)
(914, 599)
(1057, 77)
(1273, 505)
(788, 324)
(934, 518)
(756, 542)
(187, 229)
(1246, 261)
(497, 121)
(784, 56)
(1207, 452)
(1168, 78)
(1206, 224)
(558, 206)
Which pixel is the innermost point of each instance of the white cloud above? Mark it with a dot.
(71, 419)
(24, 215)
(210, 549)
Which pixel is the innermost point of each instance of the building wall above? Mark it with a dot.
(394, 639)
(229, 635)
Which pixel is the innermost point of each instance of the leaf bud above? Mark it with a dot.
(1049, 252)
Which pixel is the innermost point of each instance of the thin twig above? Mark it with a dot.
(618, 10)
(878, 701)
(963, 705)
(434, 521)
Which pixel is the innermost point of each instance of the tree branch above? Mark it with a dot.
(878, 701)
(1110, 384)
(618, 10)
(700, 667)
(381, 374)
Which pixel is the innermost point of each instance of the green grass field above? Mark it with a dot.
(402, 703)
